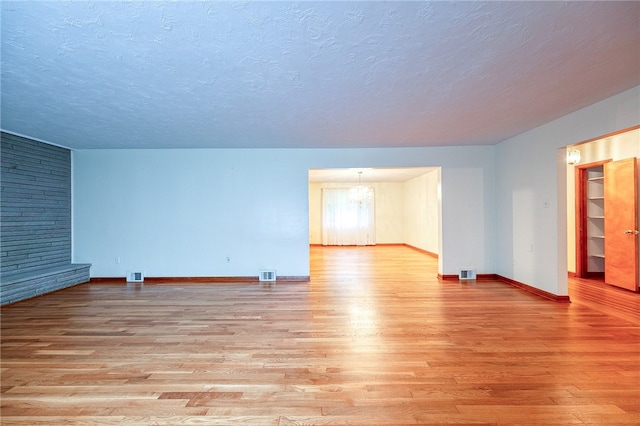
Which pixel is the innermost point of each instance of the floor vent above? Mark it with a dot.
(135, 276)
(467, 274)
(267, 275)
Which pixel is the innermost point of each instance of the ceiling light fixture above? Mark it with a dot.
(360, 193)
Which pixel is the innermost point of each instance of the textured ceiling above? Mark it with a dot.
(116, 74)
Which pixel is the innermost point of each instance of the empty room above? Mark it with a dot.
(319, 213)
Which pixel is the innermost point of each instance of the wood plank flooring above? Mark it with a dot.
(374, 338)
(606, 298)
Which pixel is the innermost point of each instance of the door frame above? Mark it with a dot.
(581, 217)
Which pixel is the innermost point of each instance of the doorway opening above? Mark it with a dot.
(405, 206)
(593, 229)
(590, 220)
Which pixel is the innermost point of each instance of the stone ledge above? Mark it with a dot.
(12, 278)
(16, 287)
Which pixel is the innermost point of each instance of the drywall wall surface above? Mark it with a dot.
(530, 180)
(467, 220)
(190, 212)
(421, 206)
(225, 212)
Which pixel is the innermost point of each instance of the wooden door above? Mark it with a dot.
(621, 224)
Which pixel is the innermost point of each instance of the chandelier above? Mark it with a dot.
(360, 194)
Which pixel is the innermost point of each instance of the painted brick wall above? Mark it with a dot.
(36, 205)
(35, 217)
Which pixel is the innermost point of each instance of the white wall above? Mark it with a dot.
(182, 212)
(616, 147)
(531, 175)
(421, 211)
(472, 220)
(389, 212)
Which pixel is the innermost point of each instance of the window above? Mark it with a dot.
(347, 220)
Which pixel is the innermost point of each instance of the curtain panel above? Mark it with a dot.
(346, 221)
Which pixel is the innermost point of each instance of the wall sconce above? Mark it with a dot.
(573, 157)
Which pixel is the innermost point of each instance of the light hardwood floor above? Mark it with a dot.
(374, 338)
(605, 298)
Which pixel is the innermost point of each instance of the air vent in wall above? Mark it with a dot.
(135, 276)
(267, 275)
(467, 274)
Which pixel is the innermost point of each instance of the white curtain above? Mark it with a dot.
(345, 221)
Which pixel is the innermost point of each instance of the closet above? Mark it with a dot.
(607, 222)
(595, 220)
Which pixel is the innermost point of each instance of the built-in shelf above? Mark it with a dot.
(594, 198)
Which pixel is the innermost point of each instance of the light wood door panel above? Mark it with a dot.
(621, 223)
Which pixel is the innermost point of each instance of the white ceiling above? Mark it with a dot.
(198, 74)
